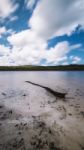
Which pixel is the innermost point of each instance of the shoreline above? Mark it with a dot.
(71, 67)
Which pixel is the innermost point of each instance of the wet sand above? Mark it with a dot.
(33, 119)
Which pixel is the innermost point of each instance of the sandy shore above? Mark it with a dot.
(41, 121)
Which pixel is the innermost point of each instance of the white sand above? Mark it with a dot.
(33, 119)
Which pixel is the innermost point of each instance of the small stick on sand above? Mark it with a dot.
(56, 94)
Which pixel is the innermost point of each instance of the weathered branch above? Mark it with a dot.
(56, 94)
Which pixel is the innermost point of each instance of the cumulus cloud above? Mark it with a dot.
(57, 17)
(27, 38)
(4, 51)
(5, 31)
(49, 19)
(32, 53)
(75, 59)
(28, 48)
(30, 3)
(13, 18)
(6, 8)
(4, 61)
(59, 52)
(2, 30)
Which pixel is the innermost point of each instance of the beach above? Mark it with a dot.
(32, 118)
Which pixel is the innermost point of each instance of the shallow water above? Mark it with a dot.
(13, 83)
(53, 79)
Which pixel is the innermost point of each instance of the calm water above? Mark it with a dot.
(13, 83)
(54, 79)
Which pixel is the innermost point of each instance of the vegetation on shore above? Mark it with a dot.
(43, 68)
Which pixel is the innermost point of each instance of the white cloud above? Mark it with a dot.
(2, 30)
(4, 61)
(65, 63)
(5, 31)
(26, 56)
(30, 3)
(10, 31)
(27, 38)
(75, 59)
(6, 8)
(30, 52)
(57, 17)
(59, 52)
(13, 18)
(49, 19)
(4, 51)
(28, 48)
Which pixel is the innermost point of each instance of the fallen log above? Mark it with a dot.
(56, 94)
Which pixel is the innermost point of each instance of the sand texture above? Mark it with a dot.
(31, 118)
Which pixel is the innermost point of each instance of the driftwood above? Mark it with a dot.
(56, 94)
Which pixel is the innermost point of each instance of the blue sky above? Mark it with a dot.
(41, 32)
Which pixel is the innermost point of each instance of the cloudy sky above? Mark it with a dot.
(41, 32)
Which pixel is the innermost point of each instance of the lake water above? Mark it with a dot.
(53, 79)
(13, 85)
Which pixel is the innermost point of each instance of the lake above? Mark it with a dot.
(66, 79)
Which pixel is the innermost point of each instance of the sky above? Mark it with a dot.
(41, 32)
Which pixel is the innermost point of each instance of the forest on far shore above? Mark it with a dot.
(43, 68)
